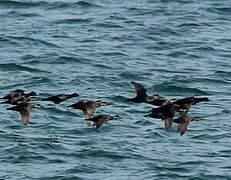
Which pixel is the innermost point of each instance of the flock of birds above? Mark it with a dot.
(166, 110)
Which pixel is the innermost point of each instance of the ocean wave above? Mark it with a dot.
(46, 4)
(178, 90)
(15, 67)
(31, 40)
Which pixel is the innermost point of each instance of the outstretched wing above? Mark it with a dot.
(54, 99)
(168, 123)
(89, 110)
(25, 116)
(140, 90)
(100, 122)
(182, 128)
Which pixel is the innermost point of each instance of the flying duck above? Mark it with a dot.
(141, 95)
(183, 122)
(24, 109)
(60, 98)
(88, 106)
(166, 113)
(19, 99)
(99, 120)
(19, 92)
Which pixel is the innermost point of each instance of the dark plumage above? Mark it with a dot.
(17, 92)
(99, 120)
(24, 109)
(166, 113)
(141, 95)
(18, 99)
(88, 106)
(60, 98)
(183, 122)
(32, 93)
(186, 103)
(160, 101)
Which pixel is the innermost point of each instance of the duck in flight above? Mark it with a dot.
(166, 113)
(24, 109)
(88, 106)
(19, 99)
(17, 93)
(160, 101)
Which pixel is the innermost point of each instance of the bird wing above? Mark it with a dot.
(100, 122)
(182, 127)
(54, 99)
(25, 113)
(140, 90)
(89, 110)
(168, 123)
(14, 108)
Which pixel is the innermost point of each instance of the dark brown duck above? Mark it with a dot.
(88, 106)
(166, 113)
(24, 109)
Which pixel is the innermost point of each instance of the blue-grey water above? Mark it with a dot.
(177, 48)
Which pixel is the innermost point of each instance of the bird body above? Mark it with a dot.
(18, 99)
(17, 92)
(160, 101)
(88, 106)
(99, 120)
(166, 113)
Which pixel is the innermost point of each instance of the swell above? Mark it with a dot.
(46, 4)
(17, 39)
(15, 67)
(178, 90)
(19, 4)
